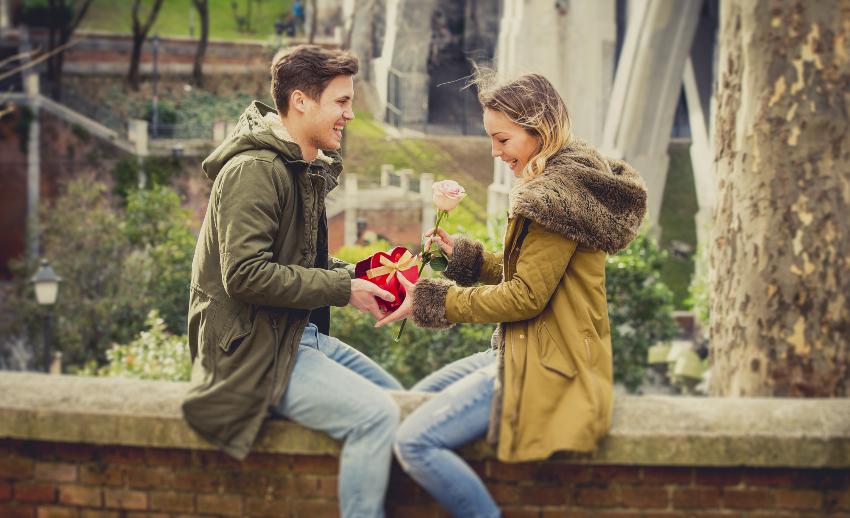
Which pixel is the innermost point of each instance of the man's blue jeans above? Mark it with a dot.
(338, 390)
(458, 414)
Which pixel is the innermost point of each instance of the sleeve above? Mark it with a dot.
(334, 263)
(543, 259)
(248, 217)
(470, 263)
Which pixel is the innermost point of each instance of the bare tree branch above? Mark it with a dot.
(22, 55)
(39, 59)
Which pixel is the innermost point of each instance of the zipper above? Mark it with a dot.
(276, 343)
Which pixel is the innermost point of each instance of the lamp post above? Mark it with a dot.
(155, 116)
(46, 284)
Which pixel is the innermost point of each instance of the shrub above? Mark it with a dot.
(155, 354)
(640, 307)
(116, 265)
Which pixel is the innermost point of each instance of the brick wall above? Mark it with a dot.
(39, 478)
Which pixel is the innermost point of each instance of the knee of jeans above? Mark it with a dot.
(409, 440)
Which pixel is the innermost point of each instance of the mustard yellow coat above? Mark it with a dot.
(547, 290)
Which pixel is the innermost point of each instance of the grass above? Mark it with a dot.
(175, 15)
(677, 222)
(466, 160)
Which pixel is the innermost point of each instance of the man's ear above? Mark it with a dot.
(298, 101)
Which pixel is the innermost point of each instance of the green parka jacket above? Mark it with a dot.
(253, 285)
(547, 291)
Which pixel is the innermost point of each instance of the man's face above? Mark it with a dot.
(326, 118)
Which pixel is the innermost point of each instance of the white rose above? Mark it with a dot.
(448, 194)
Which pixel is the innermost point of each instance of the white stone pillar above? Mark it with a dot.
(580, 44)
(350, 209)
(4, 17)
(646, 89)
(386, 171)
(32, 89)
(137, 134)
(702, 156)
(404, 179)
(579, 57)
(407, 43)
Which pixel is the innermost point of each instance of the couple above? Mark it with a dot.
(262, 284)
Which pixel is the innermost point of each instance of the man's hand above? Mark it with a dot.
(363, 295)
(442, 239)
(406, 307)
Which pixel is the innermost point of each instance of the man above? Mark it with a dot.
(262, 284)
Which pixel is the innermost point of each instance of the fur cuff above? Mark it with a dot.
(465, 264)
(429, 303)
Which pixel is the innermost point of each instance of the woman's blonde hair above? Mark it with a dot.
(532, 102)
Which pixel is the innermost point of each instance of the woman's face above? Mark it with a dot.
(510, 141)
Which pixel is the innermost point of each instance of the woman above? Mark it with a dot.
(546, 385)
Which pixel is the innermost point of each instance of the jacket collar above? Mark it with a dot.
(598, 202)
(331, 161)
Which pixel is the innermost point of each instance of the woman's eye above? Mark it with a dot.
(503, 141)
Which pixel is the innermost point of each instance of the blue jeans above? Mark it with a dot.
(458, 414)
(338, 390)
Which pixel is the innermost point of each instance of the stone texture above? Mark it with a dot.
(646, 430)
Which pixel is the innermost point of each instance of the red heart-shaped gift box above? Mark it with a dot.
(382, 269)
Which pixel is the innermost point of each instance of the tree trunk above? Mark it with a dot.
(781, 245)
(59, 35)
(198, 67)
(135, 58)
(140, 33)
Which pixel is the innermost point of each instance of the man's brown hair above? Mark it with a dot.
(308, 68)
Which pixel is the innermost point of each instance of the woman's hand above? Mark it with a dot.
(442, 239)
(406, 307)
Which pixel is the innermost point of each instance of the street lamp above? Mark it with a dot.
(155, 107)
(46, 284)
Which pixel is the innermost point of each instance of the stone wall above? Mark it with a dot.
(80, 447)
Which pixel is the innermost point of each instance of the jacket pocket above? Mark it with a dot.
(553, 356)
(236, 319)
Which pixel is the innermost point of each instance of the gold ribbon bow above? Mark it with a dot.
(404, 262)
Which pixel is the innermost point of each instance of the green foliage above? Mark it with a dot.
(355, 253)
(158, 172)
(82, 236)
(116, 264)
(155, 354)
(677, 222)
(157, 226)
(640, 307)
(699, 289)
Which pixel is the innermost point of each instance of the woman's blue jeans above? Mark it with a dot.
(458, 414)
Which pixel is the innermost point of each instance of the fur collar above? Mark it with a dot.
(598, 202)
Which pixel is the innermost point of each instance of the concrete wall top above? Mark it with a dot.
(646, 430)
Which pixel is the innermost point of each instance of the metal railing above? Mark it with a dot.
(84, 106)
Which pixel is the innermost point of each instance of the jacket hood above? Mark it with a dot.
(596, 201)
(260, 128)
